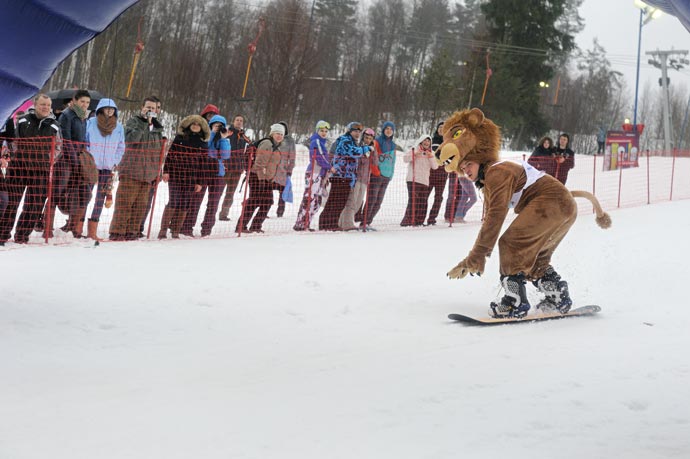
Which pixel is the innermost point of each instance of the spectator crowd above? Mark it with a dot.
(63, 163)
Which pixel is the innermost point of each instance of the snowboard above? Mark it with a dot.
(577, 312)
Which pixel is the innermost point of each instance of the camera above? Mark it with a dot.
(151, 114)
(223, 130)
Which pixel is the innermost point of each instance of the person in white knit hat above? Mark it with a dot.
(261, 175)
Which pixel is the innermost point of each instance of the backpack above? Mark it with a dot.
(251, 151)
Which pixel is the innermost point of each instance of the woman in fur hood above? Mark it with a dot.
(184, 172)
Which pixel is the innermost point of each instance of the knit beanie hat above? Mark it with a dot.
(277, 128)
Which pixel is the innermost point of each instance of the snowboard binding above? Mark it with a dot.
(557, 297)
(514, 303)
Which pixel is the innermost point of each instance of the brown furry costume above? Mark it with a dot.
(546, 209)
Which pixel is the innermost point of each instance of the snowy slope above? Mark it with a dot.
(338, 346)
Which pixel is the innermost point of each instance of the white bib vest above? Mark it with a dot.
(532, 176)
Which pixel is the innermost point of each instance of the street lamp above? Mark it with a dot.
(647, 13)
(543, 84)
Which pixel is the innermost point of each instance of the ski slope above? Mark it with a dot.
(337, 346)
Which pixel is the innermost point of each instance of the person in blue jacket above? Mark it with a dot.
(344, 170)
(385, 147)
(105, 136)
(214, 171)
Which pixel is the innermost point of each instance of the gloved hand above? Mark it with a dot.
(473, 264)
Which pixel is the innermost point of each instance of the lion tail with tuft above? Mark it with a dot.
(603, 219)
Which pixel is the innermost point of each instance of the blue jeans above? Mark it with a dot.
(467, 197)
(103, 185)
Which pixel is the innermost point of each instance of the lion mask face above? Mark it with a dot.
(468, 136)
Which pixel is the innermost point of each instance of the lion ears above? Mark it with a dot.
(474, 118)
(471, 119)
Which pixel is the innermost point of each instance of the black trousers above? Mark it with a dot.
(260, 201)
(35, 184)
(337, 198)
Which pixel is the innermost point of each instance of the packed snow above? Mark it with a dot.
(337, 346)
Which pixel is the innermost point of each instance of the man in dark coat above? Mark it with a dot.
(37, 145)
(74, 194)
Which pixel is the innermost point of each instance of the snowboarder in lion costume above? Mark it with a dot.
(546, 211)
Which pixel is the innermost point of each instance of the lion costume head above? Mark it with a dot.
(468, 136)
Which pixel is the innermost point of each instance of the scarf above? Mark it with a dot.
(79, 112)
(106, 125)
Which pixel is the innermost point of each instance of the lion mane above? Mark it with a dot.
(468, 136)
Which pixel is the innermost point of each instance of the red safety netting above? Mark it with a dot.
(54, 193)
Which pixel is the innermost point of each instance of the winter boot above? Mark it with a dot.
(67, 227)
(92, 230)
(178, 217)
(555, 290)
(514, 303)
(166, 222)
(78, 223)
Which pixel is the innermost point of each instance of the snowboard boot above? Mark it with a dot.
(514, 303)
(557, 297)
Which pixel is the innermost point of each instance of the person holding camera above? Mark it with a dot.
(421, 161)
(139, 170)
(239, 155)
(213, 173)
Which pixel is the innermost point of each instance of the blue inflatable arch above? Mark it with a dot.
(677, 8)
(37, 35)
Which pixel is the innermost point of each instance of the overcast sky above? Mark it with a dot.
(616, 23)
